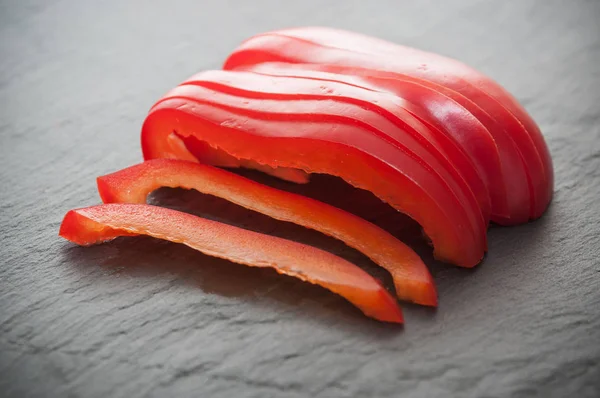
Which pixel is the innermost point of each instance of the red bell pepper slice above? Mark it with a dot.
(522, 147)
(102, 223)
(468, 144)
(412, 280)
(388, 117)
(450, 73)
(321, 136)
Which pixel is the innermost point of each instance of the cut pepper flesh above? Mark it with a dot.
(519, 140)
(323, 137)
(412, 280)
(102, 223)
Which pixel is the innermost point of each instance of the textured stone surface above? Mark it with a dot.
(143, 318)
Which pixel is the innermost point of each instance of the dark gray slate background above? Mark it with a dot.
(144, 318)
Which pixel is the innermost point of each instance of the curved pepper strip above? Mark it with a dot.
(520, 147)
(323, 137)
(102, 223)
(380, 112)
(412, 280)
(471, 148)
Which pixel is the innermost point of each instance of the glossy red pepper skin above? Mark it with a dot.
(386, 117)
(527, 166)
(412, 280)
(468, 144)
(326, 135)
(98, 224)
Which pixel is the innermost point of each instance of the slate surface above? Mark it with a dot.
(143, 318)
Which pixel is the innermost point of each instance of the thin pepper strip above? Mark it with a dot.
(323, 137)
(412, 280)
(98, 224)
(521, 144)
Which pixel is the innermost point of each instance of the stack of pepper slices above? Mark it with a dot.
(428, 135)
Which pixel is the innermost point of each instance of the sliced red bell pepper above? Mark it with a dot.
(102, 223)
(387, 116)
(450, 73)
(522, 147)
(447, 151)
(328, 136)
(412, 280)
(468, 144)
